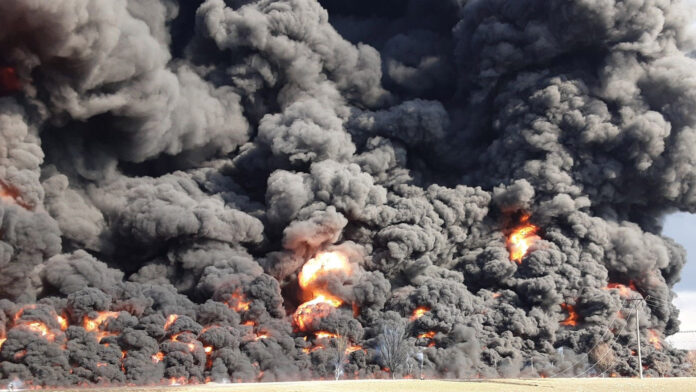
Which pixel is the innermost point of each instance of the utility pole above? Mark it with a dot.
(638, 301)
(640, 357)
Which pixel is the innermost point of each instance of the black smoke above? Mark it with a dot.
(161, 159)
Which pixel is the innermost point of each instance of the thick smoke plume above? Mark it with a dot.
(488, 176)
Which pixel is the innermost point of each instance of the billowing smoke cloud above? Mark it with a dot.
(167, 169)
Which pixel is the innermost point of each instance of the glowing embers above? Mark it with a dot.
(573, 317)
(9, 81)
(654, 339)
(10, 195)
(521, 238)
(624, 291)
(419, 312)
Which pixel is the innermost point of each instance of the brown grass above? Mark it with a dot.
(552, 385)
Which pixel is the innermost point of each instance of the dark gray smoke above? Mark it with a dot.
(167, 169)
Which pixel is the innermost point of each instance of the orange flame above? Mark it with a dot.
(94, 324)
(178, 380)
(654, 339)
(170, 320)
(322, 263)
(419, 312)
(427, 335)
(63, 322)
(319, 307)
(573, 316)
(158, 357)
(39, 328)
(325, 335)
(11, 195)
(624, 291)
(329, 335)
(353, 348)
(91, 325)
(521, 239)
(260, 336)
(238, 302)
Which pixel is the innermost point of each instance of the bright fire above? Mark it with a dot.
(521, 239)
(92, 324)
(170, 320)
(427, 335)
(35, 326)
(322, 302)
(329, 335)
(63, 323)
(39, 328)
(260, 336)
(319, 307)
(238, 302)
(325, 262)
(158, 357)
(573, 316)
(624, 291)
(419, 312)
(325, 335)
(654, 339)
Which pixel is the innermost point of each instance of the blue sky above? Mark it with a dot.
(682, 228)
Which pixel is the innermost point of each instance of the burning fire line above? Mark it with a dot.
(521, 239)
(328, 335)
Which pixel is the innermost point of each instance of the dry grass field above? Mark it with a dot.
(509, 385)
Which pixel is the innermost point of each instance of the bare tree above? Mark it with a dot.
(393, 348)
(341, 342)
(604, 357)
(662, 367)
(691, 357)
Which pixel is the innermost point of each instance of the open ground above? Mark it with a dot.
(503, 385)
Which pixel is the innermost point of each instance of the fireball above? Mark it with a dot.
(317, 308)
(322, 303)
(321, 264)
(521, 239)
